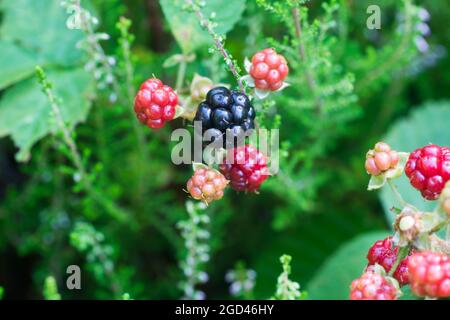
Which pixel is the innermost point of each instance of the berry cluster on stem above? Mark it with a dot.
(415, 255)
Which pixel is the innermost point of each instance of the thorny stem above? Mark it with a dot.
(301, 49)
(205, 23)
(397, 194)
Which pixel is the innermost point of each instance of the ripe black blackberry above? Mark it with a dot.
(225, 110)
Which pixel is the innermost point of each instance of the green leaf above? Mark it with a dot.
(333, 278)
(25, 113)
(428, 124)
(185, 25)
(40, 26)
(376, 182)
(15, 64)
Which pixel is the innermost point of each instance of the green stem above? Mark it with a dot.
(181, 74)
(397, 194)
(402, 254)
(301, 49)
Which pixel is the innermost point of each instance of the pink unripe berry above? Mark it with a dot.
(371, 167)
(394, 158)
(382, 160)
(382, 147)
(206, 185)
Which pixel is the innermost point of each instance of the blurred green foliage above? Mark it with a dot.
(366, 85)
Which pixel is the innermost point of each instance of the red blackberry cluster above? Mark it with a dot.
(268, 70)
(428, 169)
(372, 286)
(245, 167)
(155, 103)
(383, 253)
(429, 273)
(225, 111)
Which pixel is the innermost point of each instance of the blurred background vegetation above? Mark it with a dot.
(369, 85)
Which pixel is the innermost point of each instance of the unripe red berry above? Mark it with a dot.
(428, 169)
(245, 167)
(155, 103)
(372, 286)
(269, 70)
(207, 185)
(429, 274)
(385, 254)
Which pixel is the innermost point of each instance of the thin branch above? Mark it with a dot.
(396, 56)
(66, 132)
(206, 24)
(301, 49)
(397, 194)
(76, 158)
(125, 45)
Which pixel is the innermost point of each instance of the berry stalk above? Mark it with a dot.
(397, 194)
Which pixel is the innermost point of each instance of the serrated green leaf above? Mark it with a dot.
(186, 27)
(40, 26)
(15, 63)
(333, 278)
(25, 113)
(428, 124)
